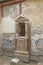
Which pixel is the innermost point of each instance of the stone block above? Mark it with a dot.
(41, 58)
(15, 61)
(8, 53)
(35, 53)
(35, 57)
(40, 63)
(23, 57)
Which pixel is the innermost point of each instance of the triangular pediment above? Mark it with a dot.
(21, 18)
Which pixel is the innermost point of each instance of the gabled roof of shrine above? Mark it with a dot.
(21, 18)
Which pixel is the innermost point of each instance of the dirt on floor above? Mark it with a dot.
(5, 60)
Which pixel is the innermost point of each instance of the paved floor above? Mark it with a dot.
(4, 60)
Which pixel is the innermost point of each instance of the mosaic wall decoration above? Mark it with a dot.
(12, 10)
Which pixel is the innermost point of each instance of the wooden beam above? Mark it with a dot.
(1, 14)
(1, 0)
(21, 7)
(9, 3)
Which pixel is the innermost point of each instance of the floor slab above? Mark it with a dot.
(5, 60)
(40, 63)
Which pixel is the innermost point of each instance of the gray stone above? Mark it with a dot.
(8, 43)
(22, 57)
(41, 58)
(35, 57)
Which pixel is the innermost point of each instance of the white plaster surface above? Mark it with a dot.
(8, 25)
(15, 60)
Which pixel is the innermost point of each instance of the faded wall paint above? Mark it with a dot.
(12, 10)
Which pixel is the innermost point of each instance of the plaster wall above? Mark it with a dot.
(8, 25)
(33, 10)
(13, 12)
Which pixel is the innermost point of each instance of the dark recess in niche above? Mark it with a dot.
(21, 30)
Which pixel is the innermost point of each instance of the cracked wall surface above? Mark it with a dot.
(34, 11)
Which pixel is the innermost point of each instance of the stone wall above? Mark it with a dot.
(34, 11)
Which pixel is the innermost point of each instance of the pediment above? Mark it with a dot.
(21, 18)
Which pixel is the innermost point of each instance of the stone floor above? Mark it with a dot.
(4, 60)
